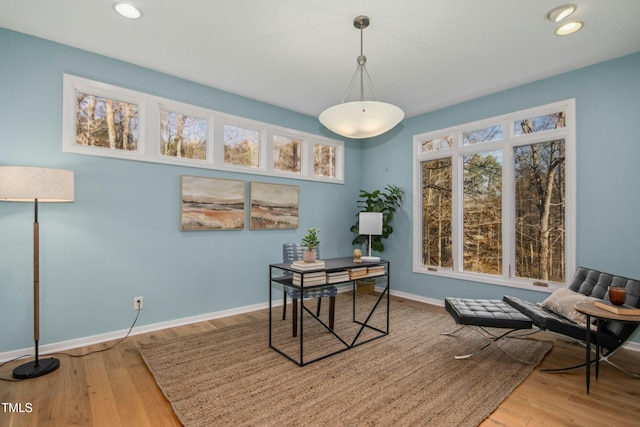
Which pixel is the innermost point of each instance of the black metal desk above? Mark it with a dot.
(281, 274)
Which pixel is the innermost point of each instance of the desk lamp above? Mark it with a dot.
(370, 223)
(34, 184)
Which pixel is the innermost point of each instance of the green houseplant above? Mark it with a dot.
(386, 201)
(310, 241)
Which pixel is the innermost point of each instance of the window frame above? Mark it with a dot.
(506, 145)
(149, 138)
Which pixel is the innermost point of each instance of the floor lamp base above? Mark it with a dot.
(30, 370)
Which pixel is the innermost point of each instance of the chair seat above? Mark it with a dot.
(325, 291)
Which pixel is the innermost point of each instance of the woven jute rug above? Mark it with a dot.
(230, 376)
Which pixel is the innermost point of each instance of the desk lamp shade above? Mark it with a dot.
(34, 184)
(370, 223)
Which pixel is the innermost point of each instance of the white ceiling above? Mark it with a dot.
(301, 54)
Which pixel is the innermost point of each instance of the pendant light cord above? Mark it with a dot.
(362, 70)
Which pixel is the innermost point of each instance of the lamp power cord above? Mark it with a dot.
(73, 355)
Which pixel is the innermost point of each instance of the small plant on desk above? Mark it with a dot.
(310, 241)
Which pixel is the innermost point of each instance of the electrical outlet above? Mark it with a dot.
(138, 303)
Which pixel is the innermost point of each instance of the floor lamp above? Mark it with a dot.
(34, 184)
(370, 223)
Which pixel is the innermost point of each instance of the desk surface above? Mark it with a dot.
(590, 308)
(332, 264)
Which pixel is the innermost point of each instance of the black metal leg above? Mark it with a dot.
(318, 307)
(332, 311)
(597, 345)
(588, 346)
(295, 317)
(270, 305)
(284, 305)
(353, 301)
(301, 331)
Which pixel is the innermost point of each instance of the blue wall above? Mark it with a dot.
(120, 238)
(608, 176)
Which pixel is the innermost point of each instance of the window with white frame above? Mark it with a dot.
(109, 121)
(287, 153)
(495, 199)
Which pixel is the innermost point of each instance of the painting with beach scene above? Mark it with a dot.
(211, 203)
(273, 206)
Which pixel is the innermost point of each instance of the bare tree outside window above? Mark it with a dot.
(106, 123)
(241, 147)
(540, 203)
(482, 218)
(183, 136)
(437, 144)
(324, 160)
(494, 201)
(491, 133)
(286, 154)
(436, 213)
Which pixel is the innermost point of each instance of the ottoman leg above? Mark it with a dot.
(492, 339)
(458, 329)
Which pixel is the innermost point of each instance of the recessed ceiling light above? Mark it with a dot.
(569, 28)
(127, 10)
(559, 13)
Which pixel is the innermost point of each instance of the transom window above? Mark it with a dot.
(495, 200)
(109, 121)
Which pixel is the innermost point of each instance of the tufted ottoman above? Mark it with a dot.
(485, 313)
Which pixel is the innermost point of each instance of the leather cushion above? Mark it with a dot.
(484, 312)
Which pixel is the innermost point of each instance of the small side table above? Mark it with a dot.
(589, 309)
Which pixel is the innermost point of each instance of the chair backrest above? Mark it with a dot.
(595, 283)
(293, 252)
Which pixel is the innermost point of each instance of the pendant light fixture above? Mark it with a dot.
(361, 119)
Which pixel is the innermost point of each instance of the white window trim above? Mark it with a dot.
(149, 134)
(568, 133)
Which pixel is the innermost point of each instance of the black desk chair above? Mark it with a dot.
(293, 252)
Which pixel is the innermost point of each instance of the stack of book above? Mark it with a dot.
(310, 279)
(303, 265)
(376, 270)
(358, 273)
(338, 276)
(618, 309)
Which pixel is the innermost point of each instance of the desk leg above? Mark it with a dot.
(353, 301)
(301, 329)
(270, 305)
(597, 345)
(588, 352)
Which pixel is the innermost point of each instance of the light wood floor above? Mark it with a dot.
(114, 388)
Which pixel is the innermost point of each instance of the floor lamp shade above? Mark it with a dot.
(28, 183)
(370, 223)
(34, 184)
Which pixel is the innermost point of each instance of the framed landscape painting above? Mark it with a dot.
(211, 203)
(273, 206)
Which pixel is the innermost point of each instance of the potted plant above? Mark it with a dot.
(386, 201)
(310, 241)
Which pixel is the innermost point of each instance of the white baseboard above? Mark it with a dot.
(418, 298)
(96, 339)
